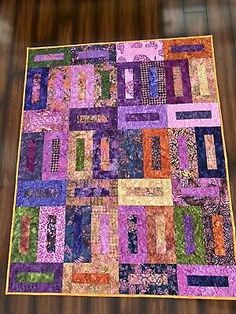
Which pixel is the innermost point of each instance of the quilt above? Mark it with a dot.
(122, 185)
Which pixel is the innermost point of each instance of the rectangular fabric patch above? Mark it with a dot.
(122, 181)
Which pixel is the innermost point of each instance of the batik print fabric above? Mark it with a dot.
(122, 181)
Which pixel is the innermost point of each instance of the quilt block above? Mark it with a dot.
(122, 181)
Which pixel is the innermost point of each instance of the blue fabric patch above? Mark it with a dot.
(207, 281)
(204, 114)
(132, 234)
(78, 234)
(42, 103)
(153, 82)
(91, 192)
(130, 154)
(41, 193)
(204, 172)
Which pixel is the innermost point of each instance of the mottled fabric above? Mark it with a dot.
(122, 185)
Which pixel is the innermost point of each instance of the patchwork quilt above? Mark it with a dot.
(122, 183)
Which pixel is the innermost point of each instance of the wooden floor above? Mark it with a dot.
(43, 22)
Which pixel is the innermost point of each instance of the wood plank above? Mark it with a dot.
(47, 22)
(194, 6)
(128, 25)
(86, 28)
(49, 304)
(7, 27)
(150, 19)
(232, 11)
(69, 304)
(65, 30)
(172, 18)
(106, 28)
(196, 23)
(7, 20)
(67, 20)
(23, 33)
(101, 306)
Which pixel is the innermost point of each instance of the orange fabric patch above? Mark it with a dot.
(105, 150)
(82, 85)
(25, 234)
(91, 278)
(210, 151)
(218, 234)
(205, 53)
(178, 84)
(155, 244)
(149, 172)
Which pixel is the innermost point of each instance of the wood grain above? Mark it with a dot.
(49, 22)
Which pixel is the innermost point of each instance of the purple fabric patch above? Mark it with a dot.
(49, 57)
(187, 48)
(51, 233)
(112, 172)
(44, 254)
(170, 92)
(92, 54)
(183, 271)
(55, 158)
(189, 234)
(31, 156)
(104, 233)
(91, 192)
(109, 112)
(41, 193)
(142, 117)
(42, 101)
(136, 100)
(125, 255)
(16, 268)
(183, 152)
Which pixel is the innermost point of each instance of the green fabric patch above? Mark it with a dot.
(105, 81)
(33, 52)
(33, 277)
(29, 256)
(198, 257)
(79, 154)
